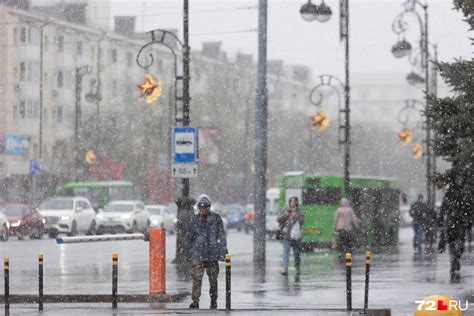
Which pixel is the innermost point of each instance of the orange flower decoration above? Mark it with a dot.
(320, 120)
(150, 89)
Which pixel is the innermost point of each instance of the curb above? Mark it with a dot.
(97, 298)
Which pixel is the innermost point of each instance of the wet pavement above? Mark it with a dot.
(397, 280)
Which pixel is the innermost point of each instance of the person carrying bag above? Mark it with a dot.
(291, 221)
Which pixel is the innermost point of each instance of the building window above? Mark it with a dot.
(45, 43)
(129, 59)
(22, 108)
(92, 54)
(23, 35)
(60, 43)
(113, 54)
(29, 73)
(29, 109)
(114, 88)
(79, 48)
(60, 78)
(35, 109)
(59, 114)
(22, 71)
(15, 113)
(15, 36)
(30, 38)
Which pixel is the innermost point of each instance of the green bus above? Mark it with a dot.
(99, 193)
(375, 201)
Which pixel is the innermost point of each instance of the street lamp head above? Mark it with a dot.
(323, 13)
(401, 49)
(308, 11)
(415, 79)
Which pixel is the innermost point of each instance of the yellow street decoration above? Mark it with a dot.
(150, 89)
(90, 157)
(417, 151)
(405, 136)
(320, 120)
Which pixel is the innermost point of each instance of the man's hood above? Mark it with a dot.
(203, 198)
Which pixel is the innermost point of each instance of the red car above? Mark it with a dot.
(24, 220)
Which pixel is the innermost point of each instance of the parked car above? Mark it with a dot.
(70, 215)
(123, 216)
(235, 215)
(160, 216)
(4, 227)
(24, 221)
(216, 208)
(249, 218)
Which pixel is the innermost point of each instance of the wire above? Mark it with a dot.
(148, 15)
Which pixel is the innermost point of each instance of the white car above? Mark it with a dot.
(160, 216)
(123, 216)
(4, 227)
(70, 215)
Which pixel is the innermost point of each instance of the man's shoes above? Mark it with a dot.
(455, 277)
(297, 278)
(194, 305)
(213, 305)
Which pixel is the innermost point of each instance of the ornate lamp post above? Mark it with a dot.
(322, 13)
(419, 58)
(163, 37)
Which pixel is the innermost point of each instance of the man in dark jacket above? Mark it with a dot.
(418, 211)
(207, 245)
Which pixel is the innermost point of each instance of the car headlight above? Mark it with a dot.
(126, 216)
(16, 224)
(100, 216)
(154, 222)
(8, 225)
(64, 217)
(43, 220)
(175, 220)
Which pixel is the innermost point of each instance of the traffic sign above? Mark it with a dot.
(184, 170)
(184, 145)
(35, 168)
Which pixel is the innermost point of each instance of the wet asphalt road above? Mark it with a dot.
(397, 280)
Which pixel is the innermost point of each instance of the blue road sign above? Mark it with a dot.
(184, 145)
(35, 168)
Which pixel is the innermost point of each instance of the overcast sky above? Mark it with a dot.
(309, 43)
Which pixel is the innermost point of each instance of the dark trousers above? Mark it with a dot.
(346, 242)
(456, 249)
(418, 238)
(197, 272)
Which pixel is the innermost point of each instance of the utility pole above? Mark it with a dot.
(261, 136)
(347, 101)
(186, 98)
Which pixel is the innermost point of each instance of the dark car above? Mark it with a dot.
(235, 216)
(24, 220)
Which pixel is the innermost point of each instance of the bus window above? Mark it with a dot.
(330, 196)
(121, 193)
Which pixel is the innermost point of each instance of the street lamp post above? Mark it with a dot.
(163, 37)
(80, 72)
(322, 13)
(401, 49)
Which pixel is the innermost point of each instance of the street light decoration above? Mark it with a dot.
(323, 13)
(415, 79)
(308, 11)
(320, 120)
(405, 136)
(401, 49)
(90, 157)
(417, 151)
(150, 89)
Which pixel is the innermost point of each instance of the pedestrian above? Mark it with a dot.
(291, 221)
(430, 229)
(345, 222)
(418, 211)
(208, 246)
(456, 222)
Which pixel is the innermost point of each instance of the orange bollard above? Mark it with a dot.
(157, 261)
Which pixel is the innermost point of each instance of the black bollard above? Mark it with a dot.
(40, 281)
(349, 280)
(114, 279)
(227, 282)
(367, 271)
(6, 271)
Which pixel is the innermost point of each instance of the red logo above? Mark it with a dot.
(442, 305)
